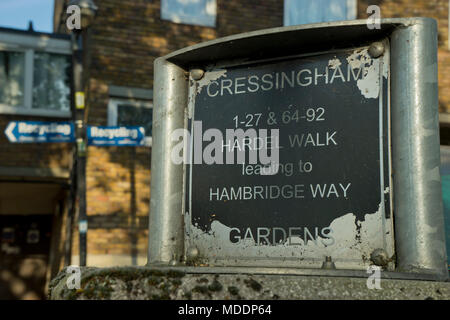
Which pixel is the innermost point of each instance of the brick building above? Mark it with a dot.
(122, 44)
(34, 178)
(124, 41)
(120, 48)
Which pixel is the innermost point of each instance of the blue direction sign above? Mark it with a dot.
(116, 136)
(39, 131)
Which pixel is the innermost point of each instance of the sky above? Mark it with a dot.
(17, 14)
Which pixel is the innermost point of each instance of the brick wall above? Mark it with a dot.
(124, 42)
(437, 9)
(32, 155)
(129, 35)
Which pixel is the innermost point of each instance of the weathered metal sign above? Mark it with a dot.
(288, 147)
(329, 194)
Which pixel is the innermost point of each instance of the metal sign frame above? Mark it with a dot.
(417, 206)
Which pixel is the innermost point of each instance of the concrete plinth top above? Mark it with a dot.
(144, 283)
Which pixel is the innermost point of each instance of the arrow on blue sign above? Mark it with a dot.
(39, 131)
(116, 136)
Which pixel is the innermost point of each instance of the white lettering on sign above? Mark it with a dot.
(43, 129)
(267, 236)
(256, 192)
(330, 190)
(112, 133)
(313, 140)
(282, 80)
(287, 191)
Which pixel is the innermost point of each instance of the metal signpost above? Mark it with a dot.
(351, 114)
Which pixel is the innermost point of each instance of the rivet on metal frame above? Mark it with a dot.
(379, 257)
(328, 263)
(174, 261)
(192, 252)
(376, 49)
(197, 74)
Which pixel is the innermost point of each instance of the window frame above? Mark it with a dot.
(113, 104)
(29, 44)
(352, 12)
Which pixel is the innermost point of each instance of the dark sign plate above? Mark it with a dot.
(330, 193)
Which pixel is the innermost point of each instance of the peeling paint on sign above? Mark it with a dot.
(210, 77)
(334, 63)
(369, 85)
(349, 236)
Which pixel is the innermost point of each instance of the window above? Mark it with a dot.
(12, 78)
(123, 112)
(197, 12)
(34, 75)
(51, 81)
(307, 11)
